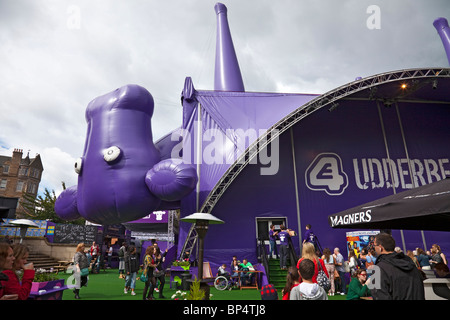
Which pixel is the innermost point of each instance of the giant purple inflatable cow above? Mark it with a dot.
(120, 175)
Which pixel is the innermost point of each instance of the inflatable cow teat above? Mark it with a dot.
(120, 174)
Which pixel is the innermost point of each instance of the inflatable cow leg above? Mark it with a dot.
(171, 179)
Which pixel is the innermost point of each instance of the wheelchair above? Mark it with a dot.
(224, 282)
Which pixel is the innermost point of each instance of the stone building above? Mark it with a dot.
(19, 176)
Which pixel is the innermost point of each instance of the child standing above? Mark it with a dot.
(307, 290)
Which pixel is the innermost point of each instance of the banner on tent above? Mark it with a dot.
(358, 240)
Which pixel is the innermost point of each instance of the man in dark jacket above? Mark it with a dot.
(399, 278)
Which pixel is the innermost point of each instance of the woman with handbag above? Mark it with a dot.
(309, 252)
(80, 269)
(159, 272)
(330, 267)
(149, 267)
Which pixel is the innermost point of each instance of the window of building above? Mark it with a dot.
(5, 168)
(35, 173)
(23, 171)
(31, 188)
(3, 183)
(19, 186)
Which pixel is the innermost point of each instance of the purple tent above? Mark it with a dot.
(294, 159)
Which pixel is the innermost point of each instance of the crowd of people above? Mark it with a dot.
(151, 272)
(381, 272)
(315, 277)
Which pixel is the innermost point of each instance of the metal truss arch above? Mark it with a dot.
(327, 99)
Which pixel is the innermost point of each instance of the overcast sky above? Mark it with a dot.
(58, 55)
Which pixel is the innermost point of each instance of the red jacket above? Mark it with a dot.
(316, 270)
(13, 286)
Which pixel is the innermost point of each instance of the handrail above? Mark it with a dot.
(262, 254)
(292, 254)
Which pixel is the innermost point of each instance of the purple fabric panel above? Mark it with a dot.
(166, 145)
(252, 195)
(234, 110)
(427, 133)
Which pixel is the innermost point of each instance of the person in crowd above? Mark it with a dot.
(110, 253)
(81, 269)
(437, 256)
(328, 259)
(159, 271)
(292, 280)
(6, 263)
(95, 252)
(122, 251)
(399, 279)
(352, 263)
(149, 267)
(363, 258)
(441, 270)
(410, 254)
(311, 237)
(308, 252)
(424, 259)
(284, 235)
(339, 262)
(246, 277)
(307, 289)
(273, 235)
(235, 268)
(233, 261)
(370, 257)
(222, 271)
(20, 266)
(131, 270)
(358, 287)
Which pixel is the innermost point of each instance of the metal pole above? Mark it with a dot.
(390, 169)
(297, 201)
(413, 181)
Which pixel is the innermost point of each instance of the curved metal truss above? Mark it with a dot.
(324, 100)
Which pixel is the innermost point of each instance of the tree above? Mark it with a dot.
(43, 207)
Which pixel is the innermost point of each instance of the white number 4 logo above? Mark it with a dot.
(326, 173)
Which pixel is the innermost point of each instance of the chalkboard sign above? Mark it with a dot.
(72, 233)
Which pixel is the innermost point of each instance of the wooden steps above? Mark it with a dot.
(42, 261)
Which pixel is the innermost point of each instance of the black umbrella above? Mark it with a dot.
(423, 208)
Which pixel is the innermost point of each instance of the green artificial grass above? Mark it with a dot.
(107, 285)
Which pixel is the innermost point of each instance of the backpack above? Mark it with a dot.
(121, 253)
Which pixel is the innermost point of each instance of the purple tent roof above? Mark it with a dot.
(239, 118)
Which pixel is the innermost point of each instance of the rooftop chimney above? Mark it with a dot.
(443, 30)
(227, 73)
